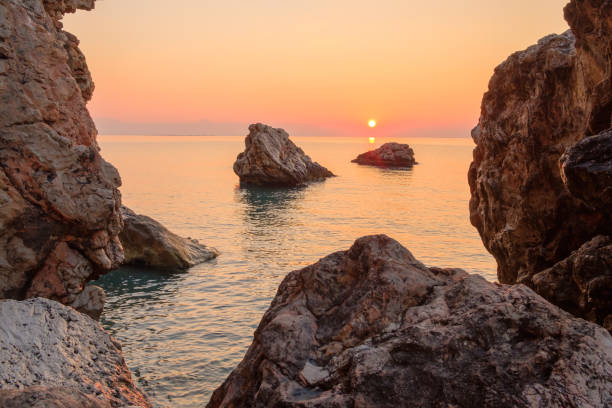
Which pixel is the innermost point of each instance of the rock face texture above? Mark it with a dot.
(373, 327)
(59, 202)
(271, 159)
(388, 155)
(582, 282)
(49, 351)
(540, 179)
(587, 172)
(148, 243)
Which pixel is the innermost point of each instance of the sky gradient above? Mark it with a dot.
(314, 67)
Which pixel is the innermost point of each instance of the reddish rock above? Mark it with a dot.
(537, 185)
(388, 155)
(374, 327)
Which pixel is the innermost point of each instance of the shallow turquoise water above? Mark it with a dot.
(182, 334)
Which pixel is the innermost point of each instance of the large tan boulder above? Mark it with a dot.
(271, 159)
(148, 243)
(374, 327)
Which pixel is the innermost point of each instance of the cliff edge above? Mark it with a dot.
(59, 203)
(541, 179)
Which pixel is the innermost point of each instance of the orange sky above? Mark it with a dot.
(314, 67)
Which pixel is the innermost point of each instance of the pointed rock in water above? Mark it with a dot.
(271, 159)
(541, 181)
(148, 243)
(59, 199)
(374, 327)
(50, 353)
(388, 155)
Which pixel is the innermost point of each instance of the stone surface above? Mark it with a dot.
(388, 155)
(90, 301)
(373, 327)
(539, 184)
(582, 282)
(587, 172)
(148, 243)
(49, 397)
(47, 349)
(59, 202)
(271, 159)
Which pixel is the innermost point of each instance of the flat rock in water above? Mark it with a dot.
(50, 353)
(271, 159)
(374, 327)
(388, 155)
(148, 243)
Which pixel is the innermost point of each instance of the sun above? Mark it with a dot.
(372, 123)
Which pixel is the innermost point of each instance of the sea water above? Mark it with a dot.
(183, 333)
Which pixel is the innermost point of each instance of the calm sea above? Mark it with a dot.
(182, 334)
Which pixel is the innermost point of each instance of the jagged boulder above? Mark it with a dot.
(374, 327)
(388, 155)
(49, 351)
(538, 180)
(59, 202)
(148, 243)
(582, 282)
(271, 159)
(587, 172)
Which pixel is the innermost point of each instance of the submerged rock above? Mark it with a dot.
(49, 351)
(541, 180)
(374, 327)
(271, 159)
(59, 200)
(148, 243)
(388, 155)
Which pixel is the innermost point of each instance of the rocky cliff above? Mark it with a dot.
(373, 327)
(59, 202)
(540, 179)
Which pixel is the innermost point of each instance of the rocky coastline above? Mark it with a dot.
(369, 326)
(541, 178)
(374, 327)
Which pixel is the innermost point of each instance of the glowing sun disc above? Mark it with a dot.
(372, 123)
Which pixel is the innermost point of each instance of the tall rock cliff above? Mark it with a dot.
(537, 195)
(59, 202)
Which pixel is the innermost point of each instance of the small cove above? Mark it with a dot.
(183, 333)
